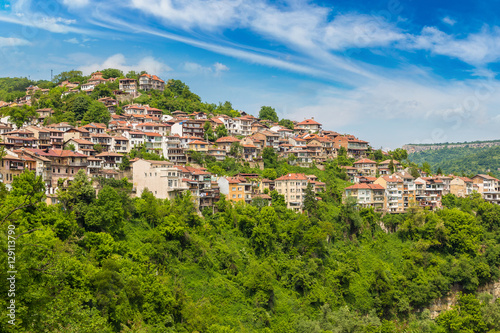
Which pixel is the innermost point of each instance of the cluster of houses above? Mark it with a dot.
(129, 88)
(58, 151)
(388, 187)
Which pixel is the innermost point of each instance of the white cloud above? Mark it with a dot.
(188, 14)
(148, 64)
(449, 20)
(475, 49)
(216, 69)
(76, 4)
(72, 41)
(23, 14)
(12, 41)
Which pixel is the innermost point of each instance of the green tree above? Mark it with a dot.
(101, 90)
(310, 201)
(221, 131)
(208, 134)
(287, 123)
(72, 76)
(269, 173)
(464, 317)
(111, 72)
(20, 116)
(97, 113)
(267, 112)
(270, 158)
(78, 196)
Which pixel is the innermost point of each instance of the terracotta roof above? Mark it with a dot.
(109, 153)
(227, 139)
(364, 186)
(82, 141)
(365, 161)
(309, 122)
(293, 176)
(391, 179)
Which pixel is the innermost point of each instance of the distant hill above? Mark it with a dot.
(414, 148)
(458, 160)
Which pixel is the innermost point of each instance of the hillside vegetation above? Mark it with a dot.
(111, 263)
(468, 161)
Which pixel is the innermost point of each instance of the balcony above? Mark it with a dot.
(78, 164)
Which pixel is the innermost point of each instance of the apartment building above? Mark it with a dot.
(159, 177)
(129, 86)
(461, 186)
(393, 186)
(293, 187)
(149, 82)
(366, 167)
(367, 195)
(429, 195)
(236, 188)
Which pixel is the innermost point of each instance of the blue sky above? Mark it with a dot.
(390, 72)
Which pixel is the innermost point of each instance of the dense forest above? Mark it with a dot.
(106, 262)
(461, 161)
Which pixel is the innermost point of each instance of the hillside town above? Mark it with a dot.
(58, 151)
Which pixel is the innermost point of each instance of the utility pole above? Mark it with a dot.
(51, 75)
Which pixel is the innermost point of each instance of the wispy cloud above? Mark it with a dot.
(39, 16)
(216, 69)
(72, 41)
(12, 41)
(149, 64)
(76, 4)
(475, 49)
(448, 20)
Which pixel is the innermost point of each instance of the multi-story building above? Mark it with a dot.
(64, 163)
(293, 187)
(188, 127)
(409, 189)
(110, 160)
(159, 177)
(461, 186)
(394, 186)
(485, 183)
(129, 86)
(309, 125)
(488, 187)
(367, 195)
(236, 188)
(81, 146)
(430, 194)
(149, 82)
(366, 167)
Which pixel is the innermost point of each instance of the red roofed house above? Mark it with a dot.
(367, 195)
(149, 82)
(393, 185)
(366, 167)
(225, 142)
(461, 186)
(293, 187)
(309, 125)
(236, 188)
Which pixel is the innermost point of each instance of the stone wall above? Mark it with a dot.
(445, 303)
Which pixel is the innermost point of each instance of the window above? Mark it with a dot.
(234, 188)
(234, 196)
(239, 195)
(239, 188)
